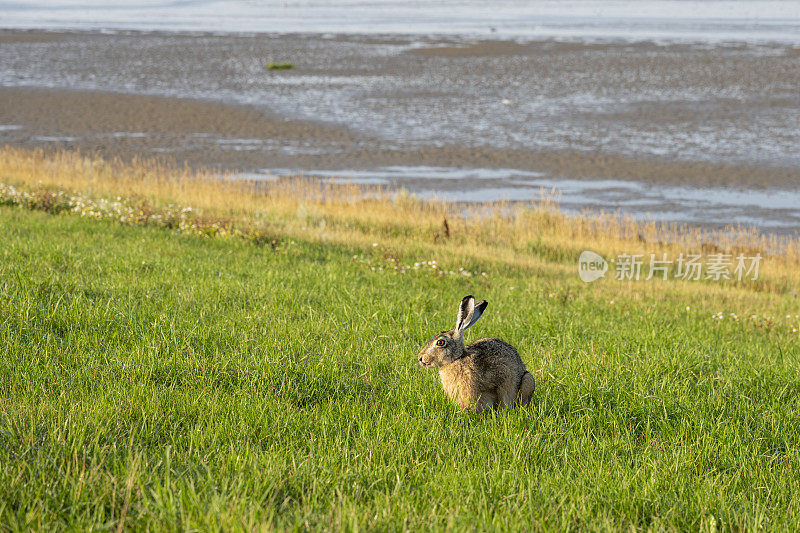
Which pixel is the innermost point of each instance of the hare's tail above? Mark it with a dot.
(526, 387)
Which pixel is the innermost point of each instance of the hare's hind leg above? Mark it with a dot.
(526, 388)
(506, 396)
(486, 402)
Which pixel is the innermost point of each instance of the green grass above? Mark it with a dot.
(155, 380)
(279, 66)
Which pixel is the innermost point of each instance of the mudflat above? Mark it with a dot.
(241, 138)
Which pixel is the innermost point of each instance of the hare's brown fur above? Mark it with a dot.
(488, 373)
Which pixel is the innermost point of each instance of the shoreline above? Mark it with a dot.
(677, 132)
(256, 144)
(37, 179)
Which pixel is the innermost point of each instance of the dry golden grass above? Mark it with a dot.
(524, 235)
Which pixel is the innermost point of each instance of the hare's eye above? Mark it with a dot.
(440, 342)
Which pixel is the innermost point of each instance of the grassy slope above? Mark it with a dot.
(158, 378)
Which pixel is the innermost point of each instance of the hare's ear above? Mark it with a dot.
(465, 312)
(476, 314)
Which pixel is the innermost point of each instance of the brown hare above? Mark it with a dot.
(487, 374)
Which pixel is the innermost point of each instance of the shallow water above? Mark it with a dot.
(773, 210)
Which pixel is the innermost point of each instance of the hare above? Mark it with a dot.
(488, 373)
